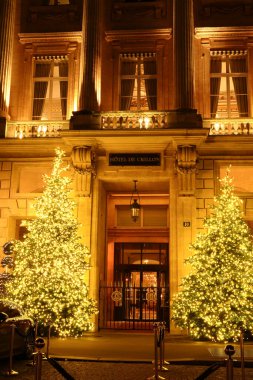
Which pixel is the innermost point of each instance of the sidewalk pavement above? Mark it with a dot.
(113, 355)
(139, 346)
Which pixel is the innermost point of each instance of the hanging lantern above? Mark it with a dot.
(135, 203)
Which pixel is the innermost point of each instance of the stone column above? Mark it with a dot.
(7, 25)
(183, 53)
(87, 116)
(90, 90)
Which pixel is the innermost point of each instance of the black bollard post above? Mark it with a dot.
(10, 371)
(156, 336)
(162, 347)
(230, 350)
(242, 355)
(156, 345)
(34, 339)
(35, 330)
(39, 344)
(48, 340)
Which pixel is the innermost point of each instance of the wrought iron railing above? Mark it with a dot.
(133, 307)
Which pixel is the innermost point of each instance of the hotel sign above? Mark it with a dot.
(134, 159)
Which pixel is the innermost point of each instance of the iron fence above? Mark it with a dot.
(133, 307)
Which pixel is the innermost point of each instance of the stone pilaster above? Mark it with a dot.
(7, 24)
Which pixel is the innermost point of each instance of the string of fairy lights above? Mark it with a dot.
(215, 299)
(51, 263)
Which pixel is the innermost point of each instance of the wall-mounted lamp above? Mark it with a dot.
(135, 203)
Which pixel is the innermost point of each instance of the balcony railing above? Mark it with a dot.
(227, 127)
(127, 120)
(132, 120)
(41, 128)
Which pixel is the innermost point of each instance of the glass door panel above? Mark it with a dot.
(149, 295)
(149, 279)
(141, 271)
(141, 295)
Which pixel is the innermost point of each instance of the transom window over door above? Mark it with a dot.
(228, 84)
(50, 88)
(138, 81)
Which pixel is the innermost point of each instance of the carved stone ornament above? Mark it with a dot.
(83, 160)
(186, 159)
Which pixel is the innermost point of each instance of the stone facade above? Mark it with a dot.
(193, 150)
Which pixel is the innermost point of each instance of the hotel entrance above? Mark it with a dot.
(139, 295)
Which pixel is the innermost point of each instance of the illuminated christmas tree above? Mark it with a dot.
(51, 263)
(216, 299)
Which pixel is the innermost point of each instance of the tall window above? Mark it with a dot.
(50, 88)
(228, 84)
(138, 81)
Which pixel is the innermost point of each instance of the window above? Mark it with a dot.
(228, 84)
(21, 231)
(138, 76)
(57, 2)
(50, 88)
(138, 1)
(155, 216)
(140, 254)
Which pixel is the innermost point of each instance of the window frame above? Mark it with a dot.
(226, 57)
(68, 44)
(50, 80)
(138, 77)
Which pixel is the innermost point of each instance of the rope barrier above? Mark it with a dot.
(204, 375)
(60, 369)
(38, 358)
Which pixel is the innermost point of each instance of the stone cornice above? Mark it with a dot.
(29, 38)
(153, 34)
(233, 32)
